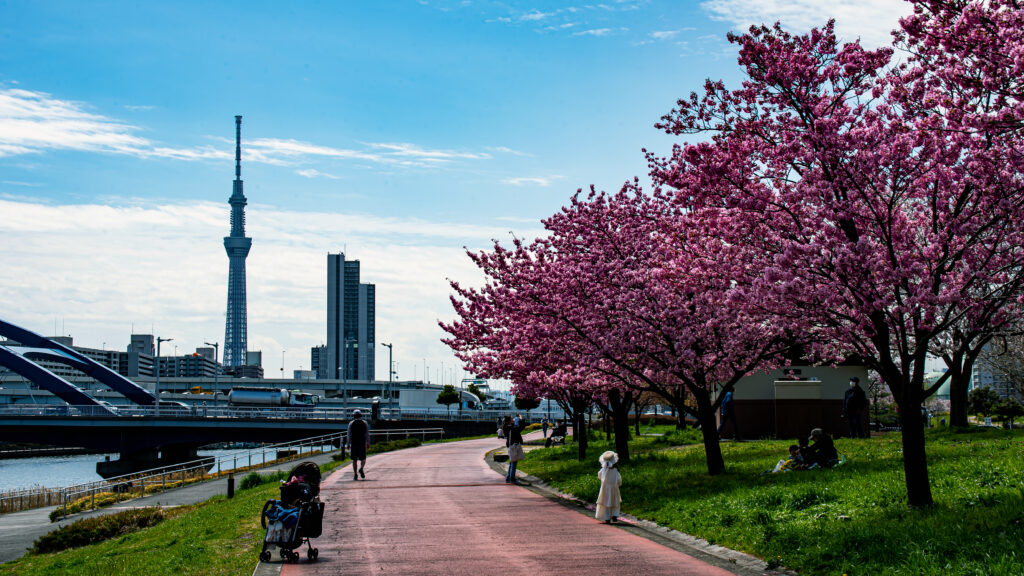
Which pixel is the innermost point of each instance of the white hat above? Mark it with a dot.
(609, 458)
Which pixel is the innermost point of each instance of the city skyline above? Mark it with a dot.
(395, 134)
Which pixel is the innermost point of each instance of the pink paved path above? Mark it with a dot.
(440, 509)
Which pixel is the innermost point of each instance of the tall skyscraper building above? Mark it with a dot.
(351, 329)
(237, 246)
(318, 361)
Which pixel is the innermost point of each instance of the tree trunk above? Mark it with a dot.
(580, 433)
(680, 414)
(712, 448)
(958, 399)
(636, 421)
(579, 428)
(619, 404)
(915, 463)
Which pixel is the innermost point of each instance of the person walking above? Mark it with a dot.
(855, 404)
(728, 413)
(358, 440)
(544, 427)
(608, 499)
(514, 442)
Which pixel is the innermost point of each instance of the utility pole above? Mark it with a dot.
(390, 372)
(156, 386)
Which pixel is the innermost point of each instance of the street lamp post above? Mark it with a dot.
(344, 376)
(390, 372)
(156, 386)
(216, 370)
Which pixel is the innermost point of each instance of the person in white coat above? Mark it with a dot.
(609, 500)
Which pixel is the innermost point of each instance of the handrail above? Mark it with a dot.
(199, 412)
(196, 470)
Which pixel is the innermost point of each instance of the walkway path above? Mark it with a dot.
(441, 509)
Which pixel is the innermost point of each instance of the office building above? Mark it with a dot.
(318, 361)
(351, 329)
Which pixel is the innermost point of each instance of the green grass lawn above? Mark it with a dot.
(852, 520)
(219, 537)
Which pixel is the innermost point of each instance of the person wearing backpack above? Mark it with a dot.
(358, 441)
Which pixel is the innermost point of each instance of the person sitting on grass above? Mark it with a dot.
(822, 452)
(794, 462)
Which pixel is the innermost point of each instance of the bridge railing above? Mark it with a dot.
(198, 411)
(90, 495)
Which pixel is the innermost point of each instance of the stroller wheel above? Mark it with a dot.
(295, 558)
(285, 554)
(312, 554)
(265, 556)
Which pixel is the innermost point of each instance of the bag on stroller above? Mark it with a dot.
(296, 517)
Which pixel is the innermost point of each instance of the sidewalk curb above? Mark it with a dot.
(738, 563)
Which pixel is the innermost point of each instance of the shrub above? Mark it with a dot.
(251, 480)
(85, 503)
(393, 445)
(98, 529)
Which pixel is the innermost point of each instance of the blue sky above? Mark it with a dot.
(396, 131)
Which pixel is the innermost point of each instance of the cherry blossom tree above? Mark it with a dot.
(639, 297)
(888, 200)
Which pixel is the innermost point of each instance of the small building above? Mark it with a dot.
(790, 402)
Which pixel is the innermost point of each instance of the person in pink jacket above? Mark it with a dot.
(609, 500)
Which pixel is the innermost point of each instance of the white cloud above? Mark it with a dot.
(313, 173)
(139, 108)
(104, 269)
(534, 16)
(534, 180)
(664, 34)
(871, 20)
(507, 150)
(35, 122)
(593, 32)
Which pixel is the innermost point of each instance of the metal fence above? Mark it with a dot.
(198, 411)
(101, 492)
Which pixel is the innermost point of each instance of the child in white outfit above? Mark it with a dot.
(609, 500)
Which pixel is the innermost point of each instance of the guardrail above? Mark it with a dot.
(87, 495)
(265, 413)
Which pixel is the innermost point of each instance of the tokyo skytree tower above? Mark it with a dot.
(237, 246)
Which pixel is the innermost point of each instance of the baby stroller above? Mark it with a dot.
(295, 518)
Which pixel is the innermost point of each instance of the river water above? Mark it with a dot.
(59, 471)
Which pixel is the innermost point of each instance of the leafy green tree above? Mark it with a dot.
(475, 390)
(448, 396)
(982, 401)
(1009, 409)
(524, 403)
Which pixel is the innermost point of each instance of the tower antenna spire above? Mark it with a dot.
(238, 147)
(237, 245)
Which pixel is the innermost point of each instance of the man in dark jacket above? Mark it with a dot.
(855, 404)
(358, 440)
(821, 451)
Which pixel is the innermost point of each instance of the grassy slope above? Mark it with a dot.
(852, 520)
(217, 537)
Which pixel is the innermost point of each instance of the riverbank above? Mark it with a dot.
(19, 530)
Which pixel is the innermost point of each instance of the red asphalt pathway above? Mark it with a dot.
(441, 509)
